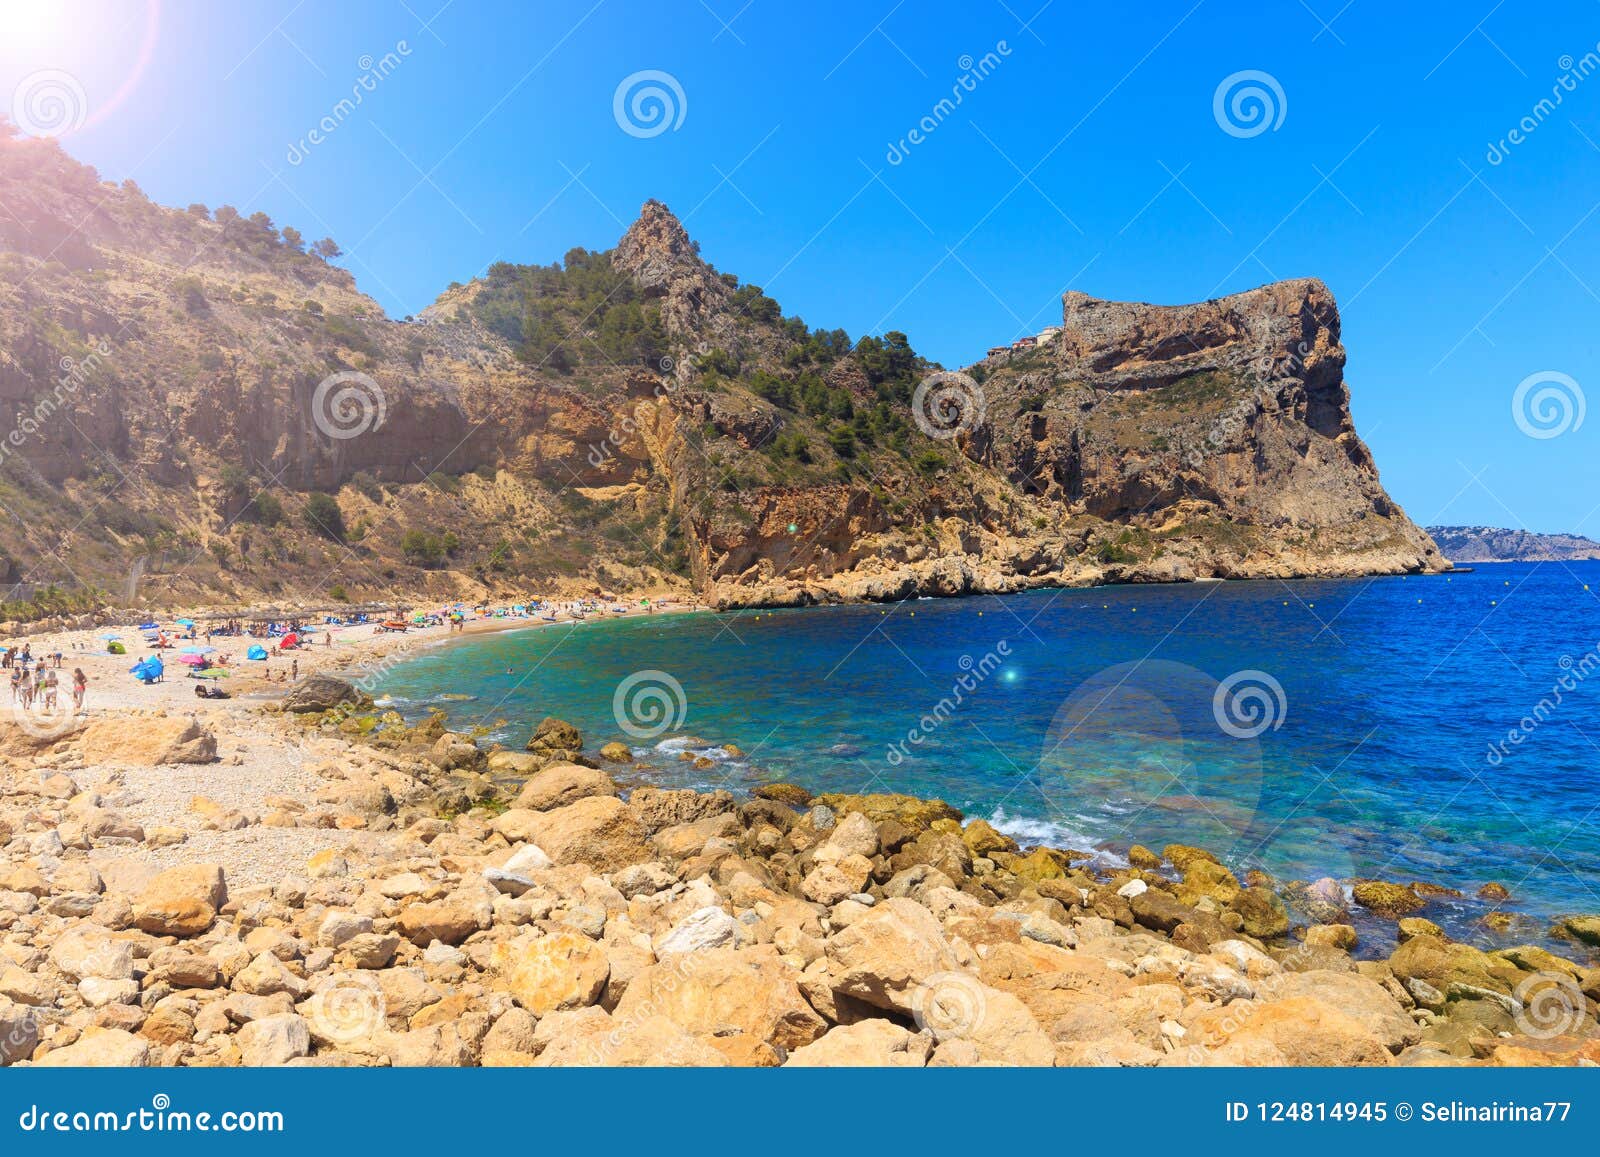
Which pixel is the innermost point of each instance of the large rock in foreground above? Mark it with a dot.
(320, 693)
(599, 831)
(181, 901)
(148, 741)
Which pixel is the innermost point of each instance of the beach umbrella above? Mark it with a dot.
(211, 673)
(110, 638)
(185, 622)
(189, 660)
(256, 652)
(198, 650)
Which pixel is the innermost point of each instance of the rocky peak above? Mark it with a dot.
(658, 253)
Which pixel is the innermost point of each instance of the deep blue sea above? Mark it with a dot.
(1443, 729)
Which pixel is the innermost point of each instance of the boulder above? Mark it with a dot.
(1262, 913)
(19, 1032)
(615, 752)
(828, 883)
(1180, 856)
(644, 1040)
(1142, 857)
(562, 970)
(274, 1040)
(873, 1043)
(885, 956)
(320, 693)
(719, 989)
(101, 1048)
(658, 808)
(599, 831)
(89, 951)
(981, 837)
(559, 784)
(916, 814)
(1583, 929)
(854, 835)
(685, 841)
(181, 901)
(514, 763)
(1207, 879)
(555, 737)
(147, 741)
(1299, 1030)
(450, 920)
(704, 928)
(266, 975)
(1385, 898)
(1458, 971)
(1359, 997)
(1341, 936)
(785, 793)
(957, 1006)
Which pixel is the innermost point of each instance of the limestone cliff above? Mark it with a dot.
(1498, 544)
(179, 385)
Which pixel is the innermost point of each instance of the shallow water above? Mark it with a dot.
(1093, 718)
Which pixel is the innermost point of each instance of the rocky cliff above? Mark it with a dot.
(1498, 544)
(199, 408)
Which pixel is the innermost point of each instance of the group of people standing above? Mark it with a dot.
(37, 680)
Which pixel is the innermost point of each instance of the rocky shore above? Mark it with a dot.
(313, 881)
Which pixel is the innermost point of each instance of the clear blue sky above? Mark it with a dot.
(1088, 157)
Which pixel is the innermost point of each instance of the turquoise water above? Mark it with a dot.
(1331, 728)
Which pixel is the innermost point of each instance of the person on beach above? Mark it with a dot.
(51, 686)
(294, 671)
(16, 683)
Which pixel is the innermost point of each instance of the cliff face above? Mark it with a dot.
(1221, 429)
(176, 383)
(1497, 544)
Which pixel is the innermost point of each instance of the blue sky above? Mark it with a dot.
(1088, 156)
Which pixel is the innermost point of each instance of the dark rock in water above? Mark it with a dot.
(556, 738)
(1262, 912)
(1160, 910)
(909, 810)
(1385, 898)
(785, 793)
(320, 693)
(1584, 929)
